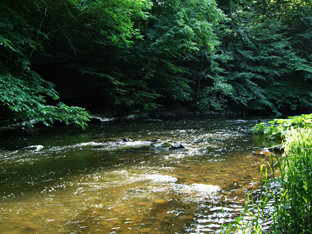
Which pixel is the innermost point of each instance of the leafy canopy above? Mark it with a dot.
(23, 93)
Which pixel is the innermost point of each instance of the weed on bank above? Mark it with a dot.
(284, 204)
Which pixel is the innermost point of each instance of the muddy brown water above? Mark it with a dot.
(65, 180)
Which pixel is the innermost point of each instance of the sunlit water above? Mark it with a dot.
(66, 180)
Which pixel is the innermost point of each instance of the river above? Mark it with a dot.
(66, 180)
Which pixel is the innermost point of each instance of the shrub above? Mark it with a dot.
(277, 128)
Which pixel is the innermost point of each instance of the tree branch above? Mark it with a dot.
(39, 29)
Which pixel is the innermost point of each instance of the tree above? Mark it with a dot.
(147, 69)
(137, 55)
(90, 46)
(260, 65)
(175, 32)
(23, 93)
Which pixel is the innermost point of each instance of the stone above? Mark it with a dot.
(176, 146)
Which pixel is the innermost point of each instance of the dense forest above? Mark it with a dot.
(60, 58)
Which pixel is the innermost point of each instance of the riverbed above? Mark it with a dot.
(66, 180)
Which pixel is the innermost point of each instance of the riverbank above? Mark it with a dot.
(181, 113)
(285, 203)
(98, 117)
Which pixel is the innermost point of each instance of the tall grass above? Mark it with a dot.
(285, 204)
(294, 207)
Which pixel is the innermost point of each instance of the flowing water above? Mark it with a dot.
(65, 180)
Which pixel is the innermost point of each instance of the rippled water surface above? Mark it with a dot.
(64, 180)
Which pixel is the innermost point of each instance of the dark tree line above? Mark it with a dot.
(133, 56)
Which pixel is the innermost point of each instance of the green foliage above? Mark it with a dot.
(138, 55)
(182, 27)
(175, 31)
(259, 62)
(15, 39)
(257, 47)
(295, 203)
(278, 128)
(23, 93)
(88, 56)
(199, 71)
(24, 101)
(214, 97)
(286, 204)
(114, 19)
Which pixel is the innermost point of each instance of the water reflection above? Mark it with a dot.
(91, 182)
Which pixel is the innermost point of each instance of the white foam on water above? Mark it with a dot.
(106, 119)
(34, 147)
(92, 143)
(138, 143)
(161, 178)
(196, 192)
(205, 188)
(99, 145)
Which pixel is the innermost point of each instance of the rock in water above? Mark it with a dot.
(176, 146)
(126, 139)
(167, 145)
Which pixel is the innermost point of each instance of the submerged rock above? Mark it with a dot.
(277, 149)
(126, 139)
(167, 145)
(176, 146)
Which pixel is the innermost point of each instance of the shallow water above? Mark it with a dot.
(64, 180)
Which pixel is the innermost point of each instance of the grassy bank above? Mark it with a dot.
(285, 203)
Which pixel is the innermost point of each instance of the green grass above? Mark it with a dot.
(285, 203)
(295, 212)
